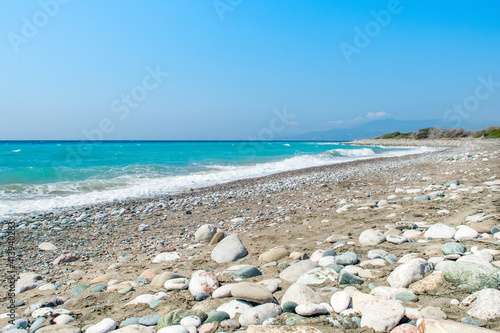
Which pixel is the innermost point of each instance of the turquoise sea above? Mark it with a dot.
(38, 176)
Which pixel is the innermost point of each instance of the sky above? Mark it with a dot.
(241, 69)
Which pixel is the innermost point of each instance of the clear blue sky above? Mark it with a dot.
(230, 63)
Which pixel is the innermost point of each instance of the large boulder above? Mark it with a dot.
(293, 272)
(229, 249)
(407, 273)
(205, 233)
(476, 275)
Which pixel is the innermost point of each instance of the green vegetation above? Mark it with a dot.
(488, 133)
(423, 133)
(390, 135)
(434, 133)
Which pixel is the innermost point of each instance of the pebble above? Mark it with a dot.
(202, 296)
(382, 315)
(246, 273)
(252, 292)
(257, 315)
(60, 329)
(223, 291)
(485, 304)
(340, 301)
(166, 257)
(405, 328)
(348, 258)
(433, 325)
(274, 254)
(407, 273)
(203, 282)
(300, 293)
(453, 248)
(465, 232)
(476, 275)
(174, 317)
(376, 254)
(27, 281)
(439, 231)
(150, 320)
(176, 284)
(173, 329)
(289, 307)
(293, 272)
(312, 309)
(217, 316)
(205, 233)
(396, 239)
(428, 283)
(318, 275)
(130, 321)
(135, 329)
(99, 288)
(432, 312)
(104, 326)
(229, 249)
(234, 307)
(47, 246)
(159, 280)
(191, 321)
(79, 288)
(63, 319)
(348, 278)
(371, 237)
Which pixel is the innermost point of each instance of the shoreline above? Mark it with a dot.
(228, 185)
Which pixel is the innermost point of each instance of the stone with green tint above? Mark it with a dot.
(406, 296)
(336, 268)
(246, 272)
(466, 286)
(175, 317)
(289, 307)
(475, 275)
(154, 304)
(79, 288)
(99, 288)
(125, 290)
(294, 320)
(348, 278)
(348, 258)
(453, 248)
(470, 321)
(217, 316)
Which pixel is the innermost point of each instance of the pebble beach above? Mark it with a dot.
(394, 244)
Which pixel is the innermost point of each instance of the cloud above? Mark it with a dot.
(293, 123)
(336, 122)
(377, 115)
(359, 120)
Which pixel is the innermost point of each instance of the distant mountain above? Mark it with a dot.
(377, 128)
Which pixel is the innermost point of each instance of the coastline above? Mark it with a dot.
(259, 180)
(287, 209)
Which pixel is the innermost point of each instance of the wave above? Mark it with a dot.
(22, 199)
(352, 152)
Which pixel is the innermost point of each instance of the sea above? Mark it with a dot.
(43, 176)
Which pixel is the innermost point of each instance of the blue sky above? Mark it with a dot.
(234, 64)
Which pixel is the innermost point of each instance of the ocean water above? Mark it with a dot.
(44, 176)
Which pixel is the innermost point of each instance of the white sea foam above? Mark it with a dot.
(48, 197)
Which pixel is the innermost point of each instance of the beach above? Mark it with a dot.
(355, 223)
